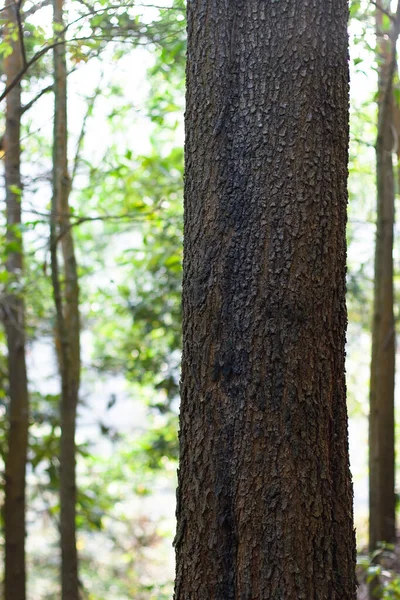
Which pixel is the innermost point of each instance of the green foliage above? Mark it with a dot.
(127, 220)
(379, 574)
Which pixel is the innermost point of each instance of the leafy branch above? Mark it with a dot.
(118, 32)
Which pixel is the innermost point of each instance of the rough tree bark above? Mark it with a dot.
(382, 523)
(66, 299)
(265, 495)
(14, 320)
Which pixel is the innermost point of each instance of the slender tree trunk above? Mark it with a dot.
(68, 322)
(14, 319)
(265, 494)
(382, 524)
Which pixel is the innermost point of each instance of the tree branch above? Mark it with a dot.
(7, 6)
(362, 142)
(129, 5)
(30, 62)
(60, 34)
(31, 11)
(45, 90)
(36, 98)
(89, 111)
(383, 10)
(44, 50)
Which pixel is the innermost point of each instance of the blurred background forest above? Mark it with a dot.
(121, 218)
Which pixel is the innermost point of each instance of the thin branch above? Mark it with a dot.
(44, 50)
(31, 11)
(54, 217)
(97, 12)
(87, 6)
(131, 217)
(362, 142)
(30, 62)
(35, 8)
(136, 219)
(61, 33)
(79, 219)
(27, 136)
(49, 88)
(130, 5)
(383, 10)
(89, 110)
(7, 6)
(362, 222)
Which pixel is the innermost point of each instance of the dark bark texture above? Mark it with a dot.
(382, 505)
(265, 495)
(66, 299)
(14, 320)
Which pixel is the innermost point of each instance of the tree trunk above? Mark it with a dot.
(14, 320)
(265, 495)
(382, 523)
(68, 322)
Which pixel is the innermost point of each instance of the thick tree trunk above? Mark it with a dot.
(265, 494)
(382, 523)
(14, 319)
(68, 323)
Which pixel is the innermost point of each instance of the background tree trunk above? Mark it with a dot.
(382, 523)
(14, 320)
(265, 495)
(68, 321)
